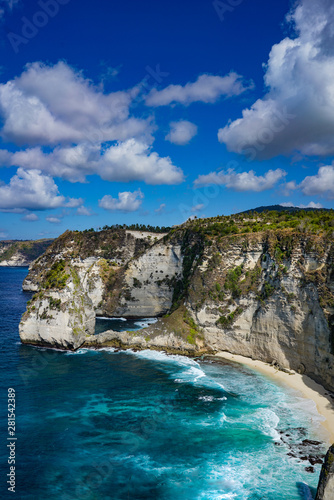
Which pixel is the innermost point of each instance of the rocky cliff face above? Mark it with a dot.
(268, 294)
(115, 274)
(326, 482)
(269, 297)
(21, 253)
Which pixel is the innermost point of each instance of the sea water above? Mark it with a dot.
(120, 324)
(102, 425)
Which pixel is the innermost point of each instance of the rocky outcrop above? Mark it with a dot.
(325, 489)
(268, 295)
(166, 340)
(60, 316)
(135, 281)
(21, 253)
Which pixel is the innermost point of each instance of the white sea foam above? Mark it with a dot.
(206, 398)
(187, 369)
(111, 319)
(267, 422)
(308, 407)
(144, 322)
(235, 475)
(108, 349)
(161, 356)
(79, 351)
(192, 374)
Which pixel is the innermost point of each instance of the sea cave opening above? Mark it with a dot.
(121, 324)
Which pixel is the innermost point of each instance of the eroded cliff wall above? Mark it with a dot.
(118, 274)
(267, 295)
(325, 489)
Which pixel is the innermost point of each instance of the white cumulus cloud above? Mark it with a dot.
(207, 89)
(71, 129)
(126, 201)
(54, 104)
(30, 217)
(181, 132)
(33, 191)
(126, 161)
(133, 160)
(53, 220)
(297, 113)
(243, 181)
(312, 204)
(72, 163)
(321, 184)
(82, 210)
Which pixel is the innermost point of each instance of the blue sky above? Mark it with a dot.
(152, 112)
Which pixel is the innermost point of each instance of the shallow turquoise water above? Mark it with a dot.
(124, 425)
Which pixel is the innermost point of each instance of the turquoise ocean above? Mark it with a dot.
(124, 425)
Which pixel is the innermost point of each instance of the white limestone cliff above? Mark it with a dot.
(288, 327)
(278, 308)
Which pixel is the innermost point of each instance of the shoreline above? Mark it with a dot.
(307, 387)
(302, 383)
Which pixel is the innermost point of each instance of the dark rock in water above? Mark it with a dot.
(326, 481)
(307, 442)
(315, 460)
(301, 448)
(309, 469)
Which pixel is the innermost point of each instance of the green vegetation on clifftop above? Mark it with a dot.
(26, 250)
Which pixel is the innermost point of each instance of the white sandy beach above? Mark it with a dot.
(305, 385)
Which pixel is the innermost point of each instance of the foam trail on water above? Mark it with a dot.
(111, 319)
(79, 351)
(186, 370)
(144, 322)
